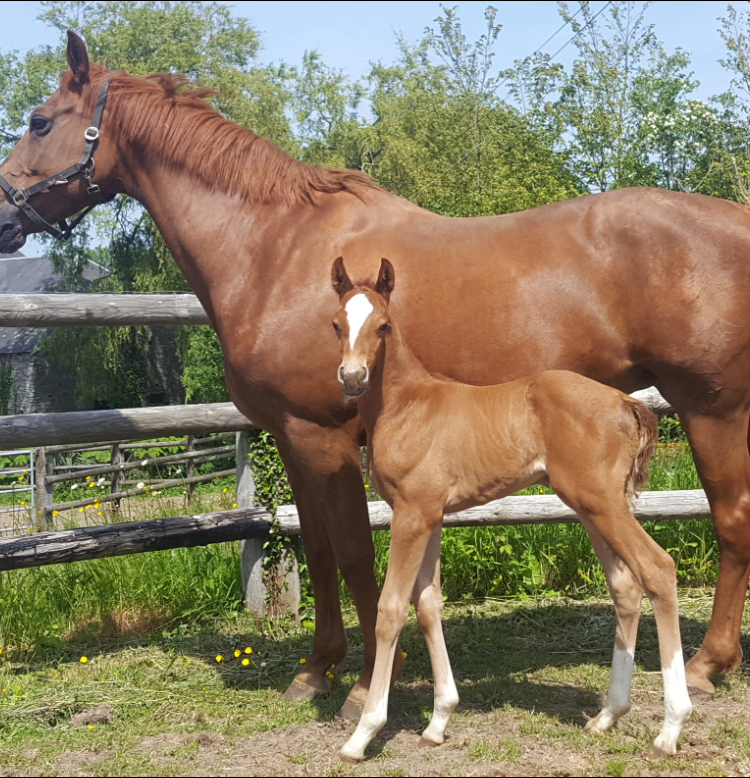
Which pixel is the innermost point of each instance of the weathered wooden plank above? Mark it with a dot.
(97, 310)
(153, 486)
(533, 509)
(49, 429)
(208, 455)
(71, 545)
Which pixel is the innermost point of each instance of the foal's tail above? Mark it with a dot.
(646, 438)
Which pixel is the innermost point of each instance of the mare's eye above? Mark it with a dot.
(385, 327)
(336, 327)
(40, 125)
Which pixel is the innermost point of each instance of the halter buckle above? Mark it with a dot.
(93, 190)
(91, 134)
(19, 197)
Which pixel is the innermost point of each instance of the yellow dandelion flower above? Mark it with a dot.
(88, 477)
(81, 511)
(234, 504)
(219, 658)
(100, 514)
(204, 688)
(225, 490)
(4, 690)
(245, 662)
(303, 661)
(84, 660)
(20, 478)
(1, 651)
(404, 654)
(91, 726)
(331, 675)
(55, 513)
(23, 502)
(248, 650)
(237, 654)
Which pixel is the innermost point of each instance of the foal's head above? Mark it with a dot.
(361, 323)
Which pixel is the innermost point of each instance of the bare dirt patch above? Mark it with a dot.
(499, 742)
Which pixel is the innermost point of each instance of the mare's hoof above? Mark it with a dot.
(699, 695)
(351, 710)
(299, 691)
(349, 759)
(425, 743)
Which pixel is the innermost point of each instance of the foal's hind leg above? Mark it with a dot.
(720, 449)
(654, 569)
(627, 595)
(428, 603)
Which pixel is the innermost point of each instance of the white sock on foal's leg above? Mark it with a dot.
(618, 697)
(677, 705)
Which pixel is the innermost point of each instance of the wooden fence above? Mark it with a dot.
(49, 432)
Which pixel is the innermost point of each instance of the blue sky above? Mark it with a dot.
(352, 34)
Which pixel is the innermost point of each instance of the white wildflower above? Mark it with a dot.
(140, 485)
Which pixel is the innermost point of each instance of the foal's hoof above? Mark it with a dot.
(351, 710)
(658, 753)
(699, 695)
(299, 691)
(425, 743)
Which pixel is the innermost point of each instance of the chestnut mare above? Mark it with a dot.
(436, 446)
(633, 288)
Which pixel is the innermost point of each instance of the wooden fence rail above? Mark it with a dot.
(48, 548)
(100, 310)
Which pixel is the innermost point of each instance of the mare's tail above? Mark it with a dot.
(646, 438)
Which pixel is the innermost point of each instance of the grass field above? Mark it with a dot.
(530, 633)
(529, 673)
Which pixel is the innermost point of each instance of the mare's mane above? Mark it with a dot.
(168, 115)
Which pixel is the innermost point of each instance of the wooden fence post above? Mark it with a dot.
(285, 595)
(190, 468)
(116, 459)
(43, 465)
(251, 550)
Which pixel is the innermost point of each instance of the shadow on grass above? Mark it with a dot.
(530, 657)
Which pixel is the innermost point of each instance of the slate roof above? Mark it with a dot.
(20, 274)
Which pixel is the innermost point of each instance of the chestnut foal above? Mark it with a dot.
(436, 446)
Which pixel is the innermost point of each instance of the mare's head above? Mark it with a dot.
(361, 323)
(54, 142)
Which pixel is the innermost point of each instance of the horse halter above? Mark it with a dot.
(85, 167)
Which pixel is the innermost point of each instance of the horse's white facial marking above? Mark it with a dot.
(357, 310)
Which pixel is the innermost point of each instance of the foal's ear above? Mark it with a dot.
(342, 284)
(386, 279)
(78, 58)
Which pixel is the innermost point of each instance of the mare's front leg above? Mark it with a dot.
(428, 603)
(324, 470)
(411, 530)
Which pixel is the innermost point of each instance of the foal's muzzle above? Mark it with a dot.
(354, 382)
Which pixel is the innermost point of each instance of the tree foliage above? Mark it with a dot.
(442, 125)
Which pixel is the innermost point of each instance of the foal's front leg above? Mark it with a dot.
(428, 603)
(411, 530)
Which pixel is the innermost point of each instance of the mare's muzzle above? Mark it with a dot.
(354, 381)
(11, 229)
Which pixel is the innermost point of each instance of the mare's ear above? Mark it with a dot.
(78, 58)
(386, 279)
(342, 284)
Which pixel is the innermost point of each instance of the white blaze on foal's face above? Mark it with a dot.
(358, 310)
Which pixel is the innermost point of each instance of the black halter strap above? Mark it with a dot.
(85, 167)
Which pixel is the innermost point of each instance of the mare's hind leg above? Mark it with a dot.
(654, 570)
(720, 449)
(428, 604)
(324, 470)
(627, 595)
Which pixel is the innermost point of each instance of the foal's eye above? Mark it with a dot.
(336, 327)
(40, 125)
(385, 327)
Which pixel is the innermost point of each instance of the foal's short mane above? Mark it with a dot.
(168, 114)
